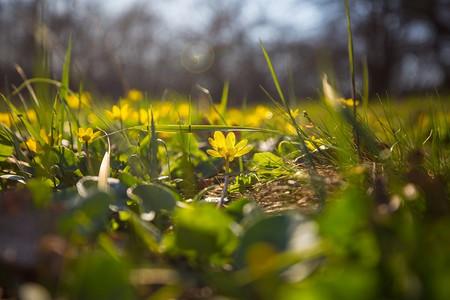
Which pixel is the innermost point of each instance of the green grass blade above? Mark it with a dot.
(64, 88)
(209, 128)
(350, 53)
(167, 157)
(274, 76)
(154, 150)
(224, 98)
(27, 82)
(365, 95)
(300, 133)
(202, 128)
(54, 121)
(292, 96)
(352, 75)
(27, 124)
(65, 74)
(190, 123)
(206, 91)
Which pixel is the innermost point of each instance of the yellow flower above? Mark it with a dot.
(146, 115)
(32, 145)
(258, 115)
(165, 109)
(5, 119)
(75, 101)
(35, 146)
(226, 148)
(294, 113)
(235, 117)
(32, 116)
(135, 95)
(46, 137)
(316, 141)
(87, 136)
(291, 129)
(348, 102)
(118, 113)
(92, 118)
(183, 110)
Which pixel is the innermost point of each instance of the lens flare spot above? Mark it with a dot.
(197, 57)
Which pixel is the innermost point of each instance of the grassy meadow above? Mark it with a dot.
(188, 198)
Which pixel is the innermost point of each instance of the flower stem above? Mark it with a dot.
(88, 158)
(225, 184)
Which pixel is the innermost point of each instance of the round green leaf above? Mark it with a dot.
(154, 197)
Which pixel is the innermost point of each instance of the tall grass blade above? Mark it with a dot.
(317, 183)
(224, 98)
(42, 62)
(64, 87)
(291, 85)
(352, 74)
(27, 85)
(65, 75)
(190, 123)
(154, 150)
(365, 95)
(24, 121)
(206, 91)
(350, 54)
(274, 76)
(167, 157)
(54, 120)
(204, 128)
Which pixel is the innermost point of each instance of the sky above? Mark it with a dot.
(302, 15)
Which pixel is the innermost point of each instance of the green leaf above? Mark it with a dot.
(88, 214)
(205, 230)
(61, 156)
(41, 191)
(267, 160)
(146, 231)
(100, 275)
(279, 232)
(6, 147)
(155, 197)
(128, 179)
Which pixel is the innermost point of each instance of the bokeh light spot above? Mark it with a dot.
(197, 57)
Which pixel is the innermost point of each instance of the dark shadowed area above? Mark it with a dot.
(157, 45)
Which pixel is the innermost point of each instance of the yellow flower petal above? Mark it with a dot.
(44, 135)
(230, 140)
(243, 151)
(222, 151)
(294, 113)
(213, 153)
(94, 136)
(213, 143)
(241, 145)
(219, 138)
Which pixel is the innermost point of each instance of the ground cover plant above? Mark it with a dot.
(190, 198)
